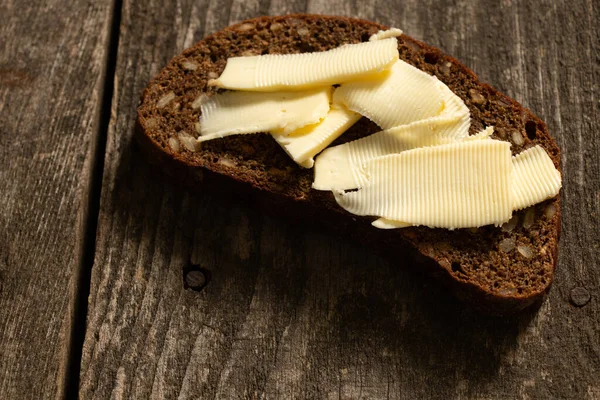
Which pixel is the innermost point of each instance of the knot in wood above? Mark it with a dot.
(580, 296)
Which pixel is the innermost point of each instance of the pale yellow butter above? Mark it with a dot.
(338, 168)
(303, 144)
(405, 95)
(383, 223)
(535, 178)
(392, 32)
(483, 134)
(459, 185)
(272, 72)
(422, 169)
(233, 113)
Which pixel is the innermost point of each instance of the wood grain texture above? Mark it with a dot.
(52, 67)
(303, 314)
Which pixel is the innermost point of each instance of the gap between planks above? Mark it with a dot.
(92, 210)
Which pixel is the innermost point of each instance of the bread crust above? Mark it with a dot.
(467, 261)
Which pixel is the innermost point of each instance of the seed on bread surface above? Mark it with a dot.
(525, 250)
(188, 141)
(189, 65)
(174, 145)
(164, 100)
(517, 138)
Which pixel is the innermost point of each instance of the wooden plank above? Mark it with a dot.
(52, 69)
(307, 315)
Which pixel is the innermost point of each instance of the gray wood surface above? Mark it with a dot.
(307, 315)
(52, 66)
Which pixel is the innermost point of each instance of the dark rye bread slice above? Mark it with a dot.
(499, 270)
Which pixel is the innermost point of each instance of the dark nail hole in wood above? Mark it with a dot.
(530, 128)
(195, 277)
(432, 58)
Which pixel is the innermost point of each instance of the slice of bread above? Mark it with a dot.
(499, 270)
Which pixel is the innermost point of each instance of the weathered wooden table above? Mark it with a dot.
(93, 242)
